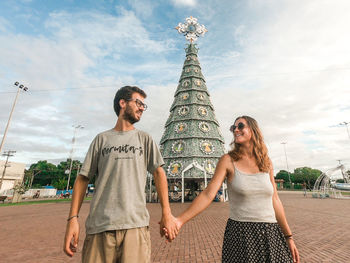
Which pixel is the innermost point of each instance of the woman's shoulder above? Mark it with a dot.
(226, 158)
(227, 161)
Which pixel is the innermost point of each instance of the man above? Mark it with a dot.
(304, 189)
(117, 225)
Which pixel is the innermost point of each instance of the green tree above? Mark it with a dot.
(62, 167)
(48, 173)
(27, 177)
(20, 189)
(61, 184)
(307, 175)
(283, 174)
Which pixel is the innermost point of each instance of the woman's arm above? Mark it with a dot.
(206, 197)
(282, 220)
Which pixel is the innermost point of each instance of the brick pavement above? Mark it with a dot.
(34, 233)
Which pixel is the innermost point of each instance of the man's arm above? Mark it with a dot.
(167, 220)
(72, 230)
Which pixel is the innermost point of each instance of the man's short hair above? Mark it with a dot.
(125, 93)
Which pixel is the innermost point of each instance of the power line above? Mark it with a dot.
(223, 76)
(65, 89)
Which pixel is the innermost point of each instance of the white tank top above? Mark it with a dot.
(250, 197)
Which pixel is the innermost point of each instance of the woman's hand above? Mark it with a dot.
(293, 250)
(178, 224)
(168, 222)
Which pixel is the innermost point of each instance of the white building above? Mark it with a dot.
(13, 175)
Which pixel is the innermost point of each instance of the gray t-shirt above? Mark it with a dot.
(119, 160)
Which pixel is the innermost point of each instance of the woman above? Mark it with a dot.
(257, 230)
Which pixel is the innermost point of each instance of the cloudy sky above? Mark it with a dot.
(285, 63)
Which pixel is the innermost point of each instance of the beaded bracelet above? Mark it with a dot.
(69, 218)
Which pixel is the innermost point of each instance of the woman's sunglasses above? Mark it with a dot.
(240, 127)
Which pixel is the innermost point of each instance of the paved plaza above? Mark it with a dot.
(34, 233)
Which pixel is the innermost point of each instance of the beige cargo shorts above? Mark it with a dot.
(122, 246)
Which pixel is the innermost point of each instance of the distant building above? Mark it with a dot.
(13, 175)
(279, 183)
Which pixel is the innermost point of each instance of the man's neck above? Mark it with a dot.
(123, 125)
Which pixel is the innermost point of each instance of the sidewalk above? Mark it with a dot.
(321, 227)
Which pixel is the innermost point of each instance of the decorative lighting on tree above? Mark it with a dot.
(192, 143)
(191, 29)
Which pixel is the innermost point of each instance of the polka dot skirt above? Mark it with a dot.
(252, 242)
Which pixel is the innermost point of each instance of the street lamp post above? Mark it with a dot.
(285, 154)
(347, 128)
(20, 87)
(76, 127)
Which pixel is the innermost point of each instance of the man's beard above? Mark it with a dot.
(129, 115)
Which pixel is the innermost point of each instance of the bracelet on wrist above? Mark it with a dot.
(288, 236)
(69, 218)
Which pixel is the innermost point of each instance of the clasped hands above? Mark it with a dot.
(169, 227)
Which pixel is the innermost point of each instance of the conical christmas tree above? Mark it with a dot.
(192, 143)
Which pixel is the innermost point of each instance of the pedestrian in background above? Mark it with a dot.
(304, 189)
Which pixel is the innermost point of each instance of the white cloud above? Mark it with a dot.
(142, 8)
(292, 76)
(189, 3)
(286, 64)
(75, 54)
(104, 35)
(4, 25)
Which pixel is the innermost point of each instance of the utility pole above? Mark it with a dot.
(20, 87)
(76, 127)
(285, 154)
(8, 154)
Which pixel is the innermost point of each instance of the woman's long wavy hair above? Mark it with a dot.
(259, 148)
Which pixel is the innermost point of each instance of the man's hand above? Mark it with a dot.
(169, 227)
(178, 224)
(71, 238)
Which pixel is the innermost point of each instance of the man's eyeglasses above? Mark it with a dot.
(240, 127)
(139, 103)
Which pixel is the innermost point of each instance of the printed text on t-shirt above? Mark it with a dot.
(122, 148)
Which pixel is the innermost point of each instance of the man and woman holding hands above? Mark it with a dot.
(117, 228)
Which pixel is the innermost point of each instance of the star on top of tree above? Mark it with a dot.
(191, 29)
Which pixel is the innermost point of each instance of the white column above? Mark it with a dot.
(183, 187)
